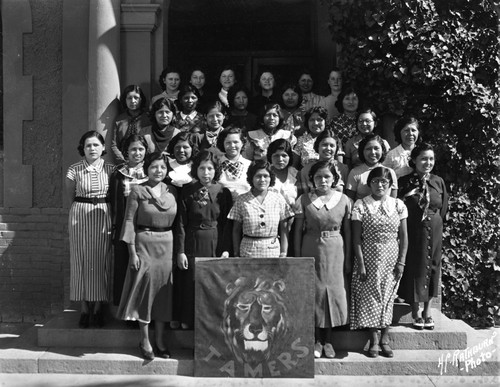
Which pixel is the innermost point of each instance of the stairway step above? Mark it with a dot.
(126, 361)
(63, 331)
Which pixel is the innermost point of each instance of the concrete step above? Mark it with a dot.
(63, 331)
(23, 355)
(127, 361)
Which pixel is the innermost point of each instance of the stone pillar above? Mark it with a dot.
(17, 104)
(139, 20)
(104, 65)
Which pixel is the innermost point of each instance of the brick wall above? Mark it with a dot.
(34, 263)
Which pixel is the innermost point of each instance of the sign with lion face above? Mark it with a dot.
(254, 317)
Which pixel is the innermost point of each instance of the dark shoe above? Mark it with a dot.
(373, 350)
(165, 353)
(329, 351)
(147, 355)
(84, 320)
(386, 350)
(99, 318)
(318, 350)
(429, 323)
(418, 323)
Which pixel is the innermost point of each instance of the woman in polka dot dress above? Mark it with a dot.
(380, 243)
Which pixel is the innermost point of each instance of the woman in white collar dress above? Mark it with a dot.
(323, 230)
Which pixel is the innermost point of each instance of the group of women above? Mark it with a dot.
(222, 183)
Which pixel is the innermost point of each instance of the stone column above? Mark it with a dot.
(17, 103)
(104, 62)
(138, 23)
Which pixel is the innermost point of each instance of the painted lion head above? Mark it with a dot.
(255, 317)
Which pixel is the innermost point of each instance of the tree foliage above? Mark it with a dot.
(439, 60)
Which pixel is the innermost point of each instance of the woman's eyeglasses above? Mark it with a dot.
(384, 182)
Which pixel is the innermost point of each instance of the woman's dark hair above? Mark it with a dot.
(401, 123)
(187, 88)
(419, 148)
(382, 172)
(321, 165)
(368, 111)
(227, 68)
(138, 90)
(321, 111)
(266, 108)
(346, 90)
(280, 145)
(90, 134)
(158, 104)
(167, 70)
(133, 138)
(226, 132)
(148, 160)
(372, 137)
(257, 165)
(258, 88)
(216, 104)
(204, 155)
(327, 133)
(295, 88)
(182, 136)
(235, 89)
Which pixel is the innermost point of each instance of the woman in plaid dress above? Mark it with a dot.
(260, 216)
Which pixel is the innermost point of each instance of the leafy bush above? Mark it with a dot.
(439, 60)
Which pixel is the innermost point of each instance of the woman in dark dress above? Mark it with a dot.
(239, 116)
(124, 177)
(426, 198)
(203, 208)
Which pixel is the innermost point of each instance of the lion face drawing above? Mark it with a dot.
(255, 317)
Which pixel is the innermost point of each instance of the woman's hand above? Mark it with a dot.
(134, 262)
(398, 271)
(361, 272)
(182, 261)
(224, 254)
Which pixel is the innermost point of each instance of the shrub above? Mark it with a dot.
(439, 60)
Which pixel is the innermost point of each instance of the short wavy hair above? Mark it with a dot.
(321, 165)
(226, 132)
(282, 145)
(148, 160)
(382, 172)
(346, 90)
(204, 155)
(419, 148)
(372, 137)
(292, 86)
(167, 70)
(90, 134)
(270, 106)
(321, 111)
(138, 90)
(182, 136)
(133, 138)
(327, 133)
(257, 166)
(158, 104)
(235, 89)
(401, 123)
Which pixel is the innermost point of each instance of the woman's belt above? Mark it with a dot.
(328, 234)
(93, 200)
(259, 237)
(154, 229)
(203, 226)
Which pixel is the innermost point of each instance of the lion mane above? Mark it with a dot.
(255, 318)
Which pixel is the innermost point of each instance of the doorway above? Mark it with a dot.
(247, 34)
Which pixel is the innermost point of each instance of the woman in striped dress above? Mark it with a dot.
(89, 227)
